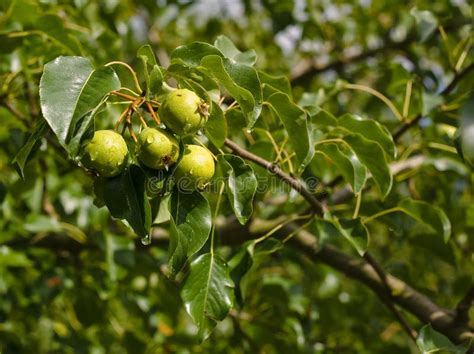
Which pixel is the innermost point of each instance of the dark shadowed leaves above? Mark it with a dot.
(241, 185)
(126, 199)
(190, 225)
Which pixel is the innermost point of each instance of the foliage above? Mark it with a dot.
(341, 134)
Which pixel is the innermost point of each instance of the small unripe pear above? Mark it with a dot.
(183, 112)
(157, 149)
(195, 169)
(106, 153)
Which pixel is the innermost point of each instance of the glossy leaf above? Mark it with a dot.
(321, 118)
(153, 78)
(431, 341)
(347, 164)
(69, 89)
(369, 129)
(295, 121)
(371, 155)
(241, 81)
(156, 80)
(126, 199)
(192, 54)
(241, 185)
(275, 83)
(190, 227)
(228, 48)
(216, 126)
(23, 155)
(464, 137)
(208, 292)
(146, 54)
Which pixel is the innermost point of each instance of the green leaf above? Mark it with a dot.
(426, 23)
(11, 258)
(146, 54)
(277, 83)
(241, 185)
(216, 126)
(154, 78)
(125, 197)
(295, 121)
(431, 216)
(192, 54)
(228, 48)
(190, 227)
(369, 129)
(372, 156)
(53, 27)
(431, 341)
(69, 89)
(464, 137)
(249, 253)
(30, 146)
(241, 81)
(347, 163)
(321, 118)
(355, 232)
(83, 126)
(208, 292)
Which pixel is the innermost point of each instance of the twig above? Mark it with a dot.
(295, 183)
(301, 75)
(320, 209)
(12, 109)
(457, 77)
(446, 91)
(462, 308)
(152, 113)
(388, 300)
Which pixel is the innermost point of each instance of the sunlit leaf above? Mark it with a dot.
(241, 185)
(208, 292)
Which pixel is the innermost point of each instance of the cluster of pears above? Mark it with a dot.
(183, 113)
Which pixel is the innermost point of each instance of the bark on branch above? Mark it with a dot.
(389, 288)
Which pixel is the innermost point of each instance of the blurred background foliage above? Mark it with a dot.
(72, 280)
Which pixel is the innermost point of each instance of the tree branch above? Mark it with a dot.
(294, 183)
(384, 289)
(388, 299)
(402, 294)
(462, 308)
(457, 77)
(307, 69)
(446, 91)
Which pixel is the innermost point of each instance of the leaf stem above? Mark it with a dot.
(152, 113)
(284, 223)
(379, 214)
(357, 206)
(134, 74)
(377, 94)
(406, 103)
(301, 227)
(123, 95)
(442, 147)
(275, 146)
